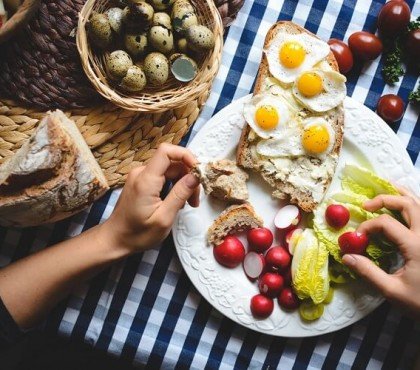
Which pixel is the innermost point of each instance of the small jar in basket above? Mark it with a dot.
(150, 56)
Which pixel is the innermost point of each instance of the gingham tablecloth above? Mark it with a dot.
(146, 310)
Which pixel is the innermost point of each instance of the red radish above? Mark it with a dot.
(254, 264)
(288, 217)
(277, 258)
(291, 239)
(287, 277)
(337, 216)
(353, 242)
(270, 284)
(261, 306)
(230, 253)
(260, 239)
(288, 299)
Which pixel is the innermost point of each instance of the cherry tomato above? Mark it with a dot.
(393, 18)
(365, 45)
(390, 108)
(412, 45)
(342, 54)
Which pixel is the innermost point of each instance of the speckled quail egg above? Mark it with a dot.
(156, 68)
(162, 19)
(182, 45)
(99, 30)
(200, 38)
(138, 15)
(115, 16)
(161, 4)
(135, 44)
(161, 39)
(186, 21)
(183, 67)
(180, 8)
(117, 64)
(134, 80)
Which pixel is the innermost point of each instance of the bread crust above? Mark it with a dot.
(244, 155)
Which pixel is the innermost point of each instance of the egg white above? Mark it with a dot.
(282, 109)
(333, 93)
(315, 49)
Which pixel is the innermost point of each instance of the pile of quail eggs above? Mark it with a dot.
(148, 40)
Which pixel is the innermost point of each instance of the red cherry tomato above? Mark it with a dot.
(390, 108)
(412, 44)
(365, 45)
(342, 54)
(393, 18)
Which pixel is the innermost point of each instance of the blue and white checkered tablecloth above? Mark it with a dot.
(146, 309)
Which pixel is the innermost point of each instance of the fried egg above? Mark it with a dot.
(315, 138)
(319, 90)
(289, 55)
(268, 115)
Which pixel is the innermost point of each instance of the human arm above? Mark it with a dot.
(33, 285)
(403, 286)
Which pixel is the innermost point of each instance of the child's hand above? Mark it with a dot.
(141, 219)
(402, 287)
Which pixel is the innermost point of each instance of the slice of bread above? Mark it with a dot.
(233, 219)
(246, 153)
(223, 180)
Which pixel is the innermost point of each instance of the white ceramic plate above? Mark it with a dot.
(368, 141)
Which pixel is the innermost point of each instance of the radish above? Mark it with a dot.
(254, 264)
(277, 258)
(353, 242)
(260, 239)
(288, 299)
(230, 253)
(337, 216)
(287, 277)
(291, 239)
(288, 217)
(270, 284)
(261, 306)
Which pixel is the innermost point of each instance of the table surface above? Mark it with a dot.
(146, 310)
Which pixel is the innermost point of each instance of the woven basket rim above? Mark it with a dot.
(19, 19)
(152, 101)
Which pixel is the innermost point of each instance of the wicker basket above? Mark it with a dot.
(19, 19)
(153, 100)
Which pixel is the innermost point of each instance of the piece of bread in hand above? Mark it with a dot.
(234, 219)
(52, 176)
(223, 180)
(276, 172)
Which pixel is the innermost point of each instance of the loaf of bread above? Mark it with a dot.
(274, 172)
(232, 220)
(52, 176)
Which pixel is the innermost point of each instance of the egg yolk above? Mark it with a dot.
(316, 139)
(267, 117)
(292, 54)
(309, 84)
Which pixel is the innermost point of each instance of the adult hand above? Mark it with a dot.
(141, 219)
(403, 286)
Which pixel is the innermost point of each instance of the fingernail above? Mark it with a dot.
(191, 181)
(349, 260)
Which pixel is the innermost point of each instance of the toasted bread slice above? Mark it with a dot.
(233, 219)
(247, 156)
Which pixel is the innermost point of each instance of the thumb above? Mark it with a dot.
(369, 271)
(179, 194)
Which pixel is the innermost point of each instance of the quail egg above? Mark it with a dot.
(135, 44)
(99, 30)
(117, 64)
(200, 38)
(156, 68)
(134, 80)
(183, 67)
(161, 39)
(180, 8)
(115, 16)
(138, 15)
(161, 4)
(183, 23)
(162, 19)
(182, 45)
